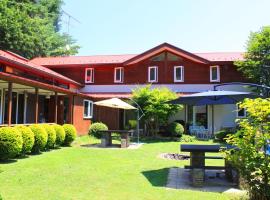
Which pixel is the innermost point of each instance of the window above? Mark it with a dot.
(119, 75)
(214, 74)
(178, 74)
(241, 112)
(89, 75)
(87, 109)
(152, 74)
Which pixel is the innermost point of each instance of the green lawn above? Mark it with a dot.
(91, 173)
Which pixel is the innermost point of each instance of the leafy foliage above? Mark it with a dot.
(11, 142)
(51, 135)
(256, 65)
(28, 138)
(41, 138)
(31, 28)
(176, 129)
(188, 138)
(60, 134)
(251, 159)
(96, 127)
(153, 104)
(71, 134)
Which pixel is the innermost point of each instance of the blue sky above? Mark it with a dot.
(133, 26)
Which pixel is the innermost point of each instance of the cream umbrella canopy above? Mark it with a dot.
(115, 103)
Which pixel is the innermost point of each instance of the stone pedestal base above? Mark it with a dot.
(197, 177)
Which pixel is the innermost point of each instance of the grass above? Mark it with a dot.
(92, 173)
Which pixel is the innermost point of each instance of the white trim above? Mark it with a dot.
(91, 77)
(121, 74)
(156, 74)
(182, 73)
(90, 109)
(218, 73)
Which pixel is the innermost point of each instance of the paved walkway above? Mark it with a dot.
(178, 178)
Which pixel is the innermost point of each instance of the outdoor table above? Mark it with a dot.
(106, 139)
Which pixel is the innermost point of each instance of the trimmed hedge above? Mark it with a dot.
(60, 134)
(51, 135)
(41, 138)
(96, 127)
(176, 129)
(28, 138)
(11, 142)
(71, 133)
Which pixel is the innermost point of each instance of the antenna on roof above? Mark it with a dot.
(70, 17)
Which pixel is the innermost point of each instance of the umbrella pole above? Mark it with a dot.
(213, 120)
(138, 126)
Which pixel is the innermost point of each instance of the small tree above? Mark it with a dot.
(256, 65)
(153, 104)
(251, 140)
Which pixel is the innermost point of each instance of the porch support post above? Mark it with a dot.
(36, 105)
(9, 108)
(55, 107)
(213, 116)
(71, 103)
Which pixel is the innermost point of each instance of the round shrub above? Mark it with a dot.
(41, 138)
(27, 137)
(71, 133)
(176, 129)
(96, 127)
(188, 138)
(60, 134)
(51, 135)
(11, 142)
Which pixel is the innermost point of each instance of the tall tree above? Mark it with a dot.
(256, 63)
(31, 28)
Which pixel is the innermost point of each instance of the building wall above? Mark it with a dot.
(81, 124)
(109, 116)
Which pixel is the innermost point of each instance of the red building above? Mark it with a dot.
(62, 89)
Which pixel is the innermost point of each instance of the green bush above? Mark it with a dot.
(132, 124)
(96, 127)
(71, 133)
(60, 134)
(188, 138)
(41, 138)
(51, 135)
(176, 129)
(11, 142)
(28, 138)
(221, 135)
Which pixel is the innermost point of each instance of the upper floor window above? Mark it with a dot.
(118, 75)
(89, 75)
(153, 74)
(214, 74)
(178, 73)
(87, 109)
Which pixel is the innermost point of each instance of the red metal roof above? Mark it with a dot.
(116, 59)
(15, 59)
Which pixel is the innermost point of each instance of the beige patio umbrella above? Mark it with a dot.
(115, 103)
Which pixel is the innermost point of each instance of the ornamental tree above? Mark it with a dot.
(252, 139)
(256, 63)
(154, 106)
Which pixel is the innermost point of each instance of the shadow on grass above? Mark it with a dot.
(98, 145)
(158, 178)
(9, 161)
(150, 140)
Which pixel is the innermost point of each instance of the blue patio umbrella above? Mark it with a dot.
(213, 98)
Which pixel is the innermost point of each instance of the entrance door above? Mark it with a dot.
(198, 116)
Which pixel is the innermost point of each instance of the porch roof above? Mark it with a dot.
(22, 63)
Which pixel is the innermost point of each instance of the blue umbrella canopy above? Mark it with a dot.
(213, 98)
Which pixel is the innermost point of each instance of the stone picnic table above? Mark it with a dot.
(106, 139)
(197, 160)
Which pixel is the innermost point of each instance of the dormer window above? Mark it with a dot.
(89, 75)
(119, 75)
(153, 74)
(179, 74)
(214, 74)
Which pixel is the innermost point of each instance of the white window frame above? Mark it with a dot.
(156, 74)
(237, 112)
(90, 109)
(121, 74)
(218, 73)
(92, 75)
(182, 73)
